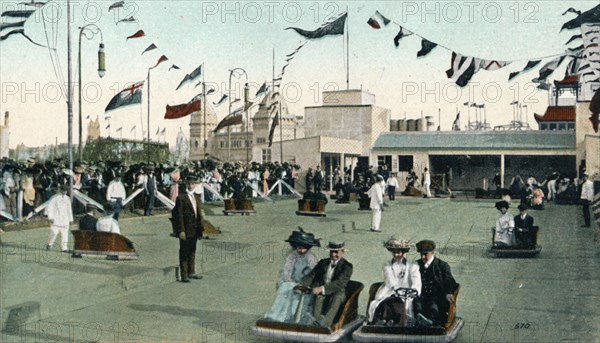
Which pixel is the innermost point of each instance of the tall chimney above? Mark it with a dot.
(6, 118)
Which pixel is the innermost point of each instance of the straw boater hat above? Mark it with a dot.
(393, 244)
(303, 238)
(425, 246)
(336, 246)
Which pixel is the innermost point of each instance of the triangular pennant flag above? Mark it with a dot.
(120, 129)
(17, 14)
(262, 90)
(221, 101)
(588, 17)
(529, 65)
(129, 19)
(22, 33)
(129, 96)
(116, 5)
(173, 67)
(133, 128)
(180, 111)
(335, 27)
(456, 123)
(138, 34)
(402, 33)
(574, 37)
(377, 21)
(190, 77)
(161, 59)
(572, 10)
(151, 47)
(492, 65)
(548, 69)
(426, 47)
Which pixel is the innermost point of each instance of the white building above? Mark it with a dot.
(4, 135)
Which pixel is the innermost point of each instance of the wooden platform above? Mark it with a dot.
(103, 244)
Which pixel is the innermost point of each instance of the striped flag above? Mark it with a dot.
(378, 21)
(402, 33)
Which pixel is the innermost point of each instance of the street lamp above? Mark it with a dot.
(231, 72)
(101, 69)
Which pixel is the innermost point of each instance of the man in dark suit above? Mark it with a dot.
(523, 227)
(88, 221)
(437, 288)
(328, 281)
(318, 179)
(151, 189)
(188, 227)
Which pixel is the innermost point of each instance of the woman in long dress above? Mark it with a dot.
(397, 273)
(298, 264)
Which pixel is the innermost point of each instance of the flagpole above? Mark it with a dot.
(69, 99)
(469, 115)
(247, 123)
(347, 53)
(280, 134)
(229, 126)
(148, 124)
(204, 110)
(440, 118)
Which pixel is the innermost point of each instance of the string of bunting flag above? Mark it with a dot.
(463, 67)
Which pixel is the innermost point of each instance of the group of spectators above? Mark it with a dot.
(26, 185)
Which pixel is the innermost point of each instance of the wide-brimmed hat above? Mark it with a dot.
(522, 207)
(501, 204)
(302, 238)
(334, 246)
(397, 244)
(425, 246)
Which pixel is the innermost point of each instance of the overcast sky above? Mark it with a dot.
(227, 35)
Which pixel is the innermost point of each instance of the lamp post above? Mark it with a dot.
(231, 72)
(101, 70)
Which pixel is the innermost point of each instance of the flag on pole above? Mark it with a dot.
(151, 47)
(173, 67)
(377, 21)
(133, 128)
(120, 129)
(157, 130)
(262, 90)
(234, 118)
(164, 130)
(138, 34)
(129, 96)
(160, 60)
(456, 123)
(180, 111)
(335, 27)
(272, 130)
(117, 4)
(107, 127)
(190, 77)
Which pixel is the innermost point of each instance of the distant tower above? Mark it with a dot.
(4, 134)
(197, 130)
(182, 148)
(93, 130)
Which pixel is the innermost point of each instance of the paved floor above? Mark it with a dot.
(50, 297)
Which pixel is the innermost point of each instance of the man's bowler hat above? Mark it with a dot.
(425, 246)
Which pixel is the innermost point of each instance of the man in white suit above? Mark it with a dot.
(60, 213)
(376, 195)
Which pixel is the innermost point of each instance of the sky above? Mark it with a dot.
(224, 35)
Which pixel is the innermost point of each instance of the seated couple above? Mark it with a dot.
(323, 284)
(513, 231)
(432, 283)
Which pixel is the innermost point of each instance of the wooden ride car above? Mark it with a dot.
(346, 321)
(383, 333)
(103, 244)
(364, 204)
(311, 208)
(239, 206)
(528, 250)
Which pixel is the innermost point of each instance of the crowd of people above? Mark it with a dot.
(27, 185)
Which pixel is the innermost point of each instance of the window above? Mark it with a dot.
(543, 126)
(571, 126)
(266, 155)
(405, 163)
(261, 140)
(196, 143)
(384, 160)
(561, 126)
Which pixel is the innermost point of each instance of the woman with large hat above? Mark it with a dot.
(298, 263)
(505, 226)
(397, 273)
